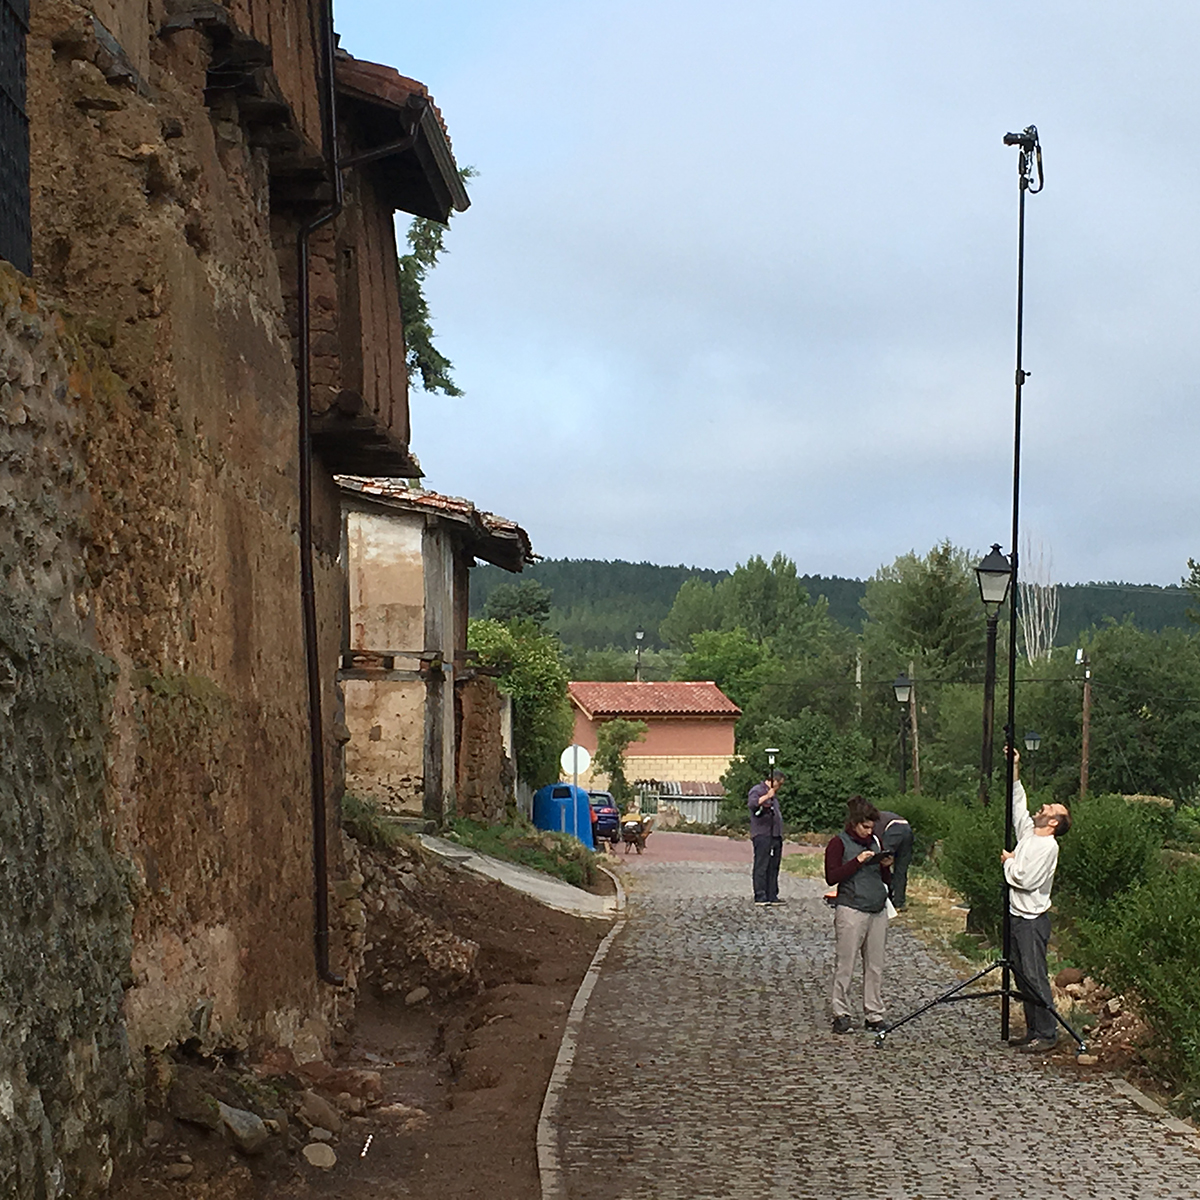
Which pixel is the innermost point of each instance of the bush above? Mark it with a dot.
(971, 865)
(1150, 944)
(931, 820)
(557, 854)
(1114, 845)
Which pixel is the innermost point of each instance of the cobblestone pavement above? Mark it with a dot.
(706, 1069)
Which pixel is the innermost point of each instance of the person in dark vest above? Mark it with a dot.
(896, 836)
(766, 836)
(856, 865)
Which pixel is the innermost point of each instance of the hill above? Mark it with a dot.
(598, 603)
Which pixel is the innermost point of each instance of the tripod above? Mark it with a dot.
(958, 992)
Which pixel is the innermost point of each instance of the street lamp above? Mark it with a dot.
(903, 689)
(638, 634)
(994, 574)
(1032, 742)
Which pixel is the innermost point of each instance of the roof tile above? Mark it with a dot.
(702, 699)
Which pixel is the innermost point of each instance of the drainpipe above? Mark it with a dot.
(308, 597)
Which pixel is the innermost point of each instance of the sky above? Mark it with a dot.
(739, 279)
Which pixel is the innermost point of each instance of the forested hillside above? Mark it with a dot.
(597, 604)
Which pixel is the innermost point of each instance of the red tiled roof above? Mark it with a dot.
(652, 700)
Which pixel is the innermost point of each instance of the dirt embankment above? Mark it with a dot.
(433, 1093)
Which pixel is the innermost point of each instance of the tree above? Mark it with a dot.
(613, 738)
(731, 659)
(532, 672)
(824, 769)
(927, 609)
(524, 601)
(1191, 581)
(1039, 603)
(695, 609)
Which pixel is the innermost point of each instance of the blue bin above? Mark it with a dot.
(564, 808)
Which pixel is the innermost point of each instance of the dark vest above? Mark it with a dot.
(865, 889)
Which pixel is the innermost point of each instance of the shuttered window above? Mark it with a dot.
(15, 236)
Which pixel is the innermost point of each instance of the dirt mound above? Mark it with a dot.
(433, 1092)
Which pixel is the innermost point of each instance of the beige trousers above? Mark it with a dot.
(858, 934)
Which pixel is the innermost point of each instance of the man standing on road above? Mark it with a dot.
(1029, 870)
(766, 835)
(856, 864)
(896, 837)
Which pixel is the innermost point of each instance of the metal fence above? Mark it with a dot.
(16, 238)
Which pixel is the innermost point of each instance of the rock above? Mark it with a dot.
(417, 995)
(1068, 975)
(178, 1170)
(1074, 990)
(320, 1155)
(320, 1135)
(155, 1132)
(1113, 1006)
(316, 1110)
(188, 1102)
(248, 1130)
(1086, 1060)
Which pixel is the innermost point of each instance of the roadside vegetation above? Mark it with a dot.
(556, 854)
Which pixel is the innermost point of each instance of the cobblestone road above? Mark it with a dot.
(706, 1069)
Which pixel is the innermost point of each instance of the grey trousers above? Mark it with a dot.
(1030, 937)
(858, 935)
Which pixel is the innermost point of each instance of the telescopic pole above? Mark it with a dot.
(1027, 140)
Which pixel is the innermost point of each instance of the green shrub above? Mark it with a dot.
(1114, 845)
(971, 865)
(931, 820)
(363, 821)
(557, 854)
(1183, 831)
(1149, 944)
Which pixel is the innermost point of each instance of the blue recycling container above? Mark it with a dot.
(564, 808)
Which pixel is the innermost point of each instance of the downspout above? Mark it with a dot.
(308, 597)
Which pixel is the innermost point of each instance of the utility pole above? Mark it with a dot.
(858, 682)
(1082, 660)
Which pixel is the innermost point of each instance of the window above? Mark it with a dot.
(15, 235)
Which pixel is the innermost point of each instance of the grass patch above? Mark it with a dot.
(806, 866)
(556, 854)
(365, 823)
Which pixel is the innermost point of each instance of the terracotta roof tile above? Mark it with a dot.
(652, 700)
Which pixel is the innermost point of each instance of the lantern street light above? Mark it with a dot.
(994, 574)
(638, 634)
(903, 689)
(1032, 742)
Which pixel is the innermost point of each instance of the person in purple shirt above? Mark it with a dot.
(766, 835)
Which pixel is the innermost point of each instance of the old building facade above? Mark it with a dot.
(171, 596)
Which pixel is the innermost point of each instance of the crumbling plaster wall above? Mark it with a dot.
(155, 830)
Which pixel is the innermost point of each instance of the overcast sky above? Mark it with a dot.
(739, 278)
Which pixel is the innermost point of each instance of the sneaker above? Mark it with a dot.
(1038, 1046)
(761, 903)
(1017, 1042)
(841, 1024)
(777, 900)
(876, 1026)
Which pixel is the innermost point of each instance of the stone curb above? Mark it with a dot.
(1124, 1088)
(549, 1168)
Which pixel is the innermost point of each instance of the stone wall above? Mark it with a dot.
(485, 773)
(155, 837)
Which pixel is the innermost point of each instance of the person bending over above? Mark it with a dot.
(896, 836)
(1029, 870)
(855, 863)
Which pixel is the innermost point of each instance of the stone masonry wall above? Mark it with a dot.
(155, 841)
(484, 770)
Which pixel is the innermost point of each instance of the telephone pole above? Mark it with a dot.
(1081, 659)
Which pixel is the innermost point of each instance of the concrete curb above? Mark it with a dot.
(549, 1168)
(1124, 1088)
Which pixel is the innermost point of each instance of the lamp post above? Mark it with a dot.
(1032, 742)
(903, 689)
(994, 574)
(638, 634)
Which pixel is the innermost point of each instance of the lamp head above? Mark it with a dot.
(994, 574)
(1032, 740)
(903, 688)
(639, 633)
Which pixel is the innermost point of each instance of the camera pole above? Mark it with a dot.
(1031, 154)
(1029, 165)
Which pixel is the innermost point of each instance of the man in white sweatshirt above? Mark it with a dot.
(1029, 870)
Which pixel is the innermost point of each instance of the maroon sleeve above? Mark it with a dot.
(835, 870)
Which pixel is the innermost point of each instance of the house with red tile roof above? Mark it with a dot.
(689, 742)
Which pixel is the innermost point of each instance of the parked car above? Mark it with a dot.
(608, 817)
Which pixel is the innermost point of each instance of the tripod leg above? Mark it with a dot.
(1029, 995)
(945, 996)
